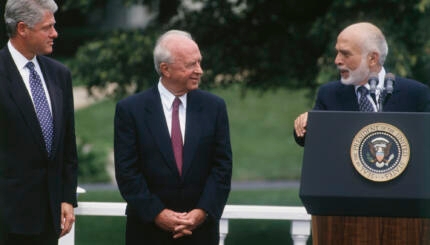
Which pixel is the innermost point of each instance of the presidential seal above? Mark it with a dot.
(380, 152)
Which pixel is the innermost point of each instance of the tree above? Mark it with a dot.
(262, 44)
(3, 35)
(268, 44)
(124, 58)
(406, 32)
(291, 43)
(166, 8)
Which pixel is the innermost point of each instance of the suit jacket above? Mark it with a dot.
(408, 96)
(31, 183)
(146, 172)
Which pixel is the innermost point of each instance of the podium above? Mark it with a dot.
(382, 201)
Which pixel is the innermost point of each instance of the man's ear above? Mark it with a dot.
(21, 29)
(373, 59)
(164, 69)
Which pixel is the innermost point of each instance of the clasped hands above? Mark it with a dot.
(180, 224)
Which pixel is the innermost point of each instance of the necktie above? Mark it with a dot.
(364, 103)
(176, 135)
(42, 107)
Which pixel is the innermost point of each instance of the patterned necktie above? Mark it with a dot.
(42, 107)
(176, 135)
(364, 103)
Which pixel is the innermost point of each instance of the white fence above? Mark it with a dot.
(300, 219)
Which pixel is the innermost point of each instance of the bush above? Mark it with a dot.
(92, 163)
(125, 58)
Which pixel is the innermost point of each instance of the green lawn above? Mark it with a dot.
(110, 230)
(261, 133)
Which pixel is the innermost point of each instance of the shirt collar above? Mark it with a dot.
(381, 77)
(18, 58)
(167, 97)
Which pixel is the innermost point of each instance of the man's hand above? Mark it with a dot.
(168, 219)
(180, 224)
(67, 218)
(192, 220)
(300, 124)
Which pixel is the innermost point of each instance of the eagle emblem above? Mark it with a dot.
(380, 150)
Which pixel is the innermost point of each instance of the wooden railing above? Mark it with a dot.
(300, 219)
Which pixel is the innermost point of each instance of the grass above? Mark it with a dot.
(94, 132)
(261, 128)
(111, 230)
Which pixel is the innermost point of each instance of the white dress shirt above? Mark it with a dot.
(167, 99)
(20, 62)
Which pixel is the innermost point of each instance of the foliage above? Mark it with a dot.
(261, 44)
(3, 35)
(257, 43)
(87, 5)
(290, 43)
(265, 44)
(82, 5)
(166, 8)
(406, 31)
(94, 132)
(124, 58)
(92, 164)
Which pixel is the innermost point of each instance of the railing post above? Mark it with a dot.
(223, 230)
(300, 231)
(69, 239)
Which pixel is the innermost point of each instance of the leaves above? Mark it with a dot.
(124, 58)
(262, 44)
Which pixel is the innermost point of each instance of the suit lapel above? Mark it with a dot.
(391, 101)
(348, 97)
(21, 98)
(192, 130)
(56, 96)
(156, 122)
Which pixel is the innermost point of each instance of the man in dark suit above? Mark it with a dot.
(38, 160)
(361, 50)
(173, 156)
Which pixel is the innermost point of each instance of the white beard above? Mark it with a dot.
(356, 76)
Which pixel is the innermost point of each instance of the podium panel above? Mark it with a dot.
(332, 186)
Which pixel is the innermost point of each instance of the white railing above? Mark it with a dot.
(300, 219)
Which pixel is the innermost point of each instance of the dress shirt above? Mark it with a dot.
(21, 62)
(167, 101)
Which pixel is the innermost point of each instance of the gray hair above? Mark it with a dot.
(30, 12)
(374, 41)
(161, 50)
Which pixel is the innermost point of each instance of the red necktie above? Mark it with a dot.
(176, 135)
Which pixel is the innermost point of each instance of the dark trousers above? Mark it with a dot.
(47, 237)
(40, 239)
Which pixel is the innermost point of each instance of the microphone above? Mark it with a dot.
(389, 82)
(373, 81)
(388, 89)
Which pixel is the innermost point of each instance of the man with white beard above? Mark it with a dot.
(361, 51)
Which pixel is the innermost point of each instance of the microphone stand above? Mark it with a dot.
(381, 100)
